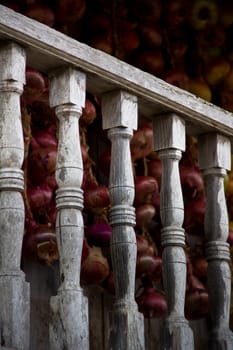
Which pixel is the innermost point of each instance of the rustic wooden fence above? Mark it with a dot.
(74, 68)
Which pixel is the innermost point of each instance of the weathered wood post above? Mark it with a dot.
(14, 299)
(119, 110)
(169, 140)
(69, 326)
(215, 159)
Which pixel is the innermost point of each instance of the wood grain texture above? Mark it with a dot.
(14, 301)
(169, 136)
(69, 326)
(126, 324)
(215, 158)
(48, 49)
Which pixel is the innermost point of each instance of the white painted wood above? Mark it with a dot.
(69, 326)
(169, 140)
(126, 324)
(215, 158)
(14, 301)
(48, 49)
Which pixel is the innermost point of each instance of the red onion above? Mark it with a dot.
(52, 214)
(194, 212)
(144, 214)
(150, 266)
(43, 115)
(39, 197)
(14, 5)
(41, 163)
(35, 85)
(96, 198)
(142, 142)
(89, 113)
(45, 137)
(150, 60)
(109, 283)
(196, 304)
(102, 43)
(151, 34)
(176, 77)
(40, 13)
(152, 304)
(191, 181)
(69, 11)
(199, 264)
(85, 250)
(95, 268)
(98, 234)
(154, 168)
(104, 162)
(147, 10)
(143, 247)
(175, 12)
(145, 187)
(41, 241)
(50, 180)
(230, 235)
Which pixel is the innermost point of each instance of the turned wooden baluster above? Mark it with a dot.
(14, 300)
(169, 140)
(69, 326)
(119, 110)
(215, 159)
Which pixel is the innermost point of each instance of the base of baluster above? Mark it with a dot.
(69, 321)
(15, 311)
(177, 335)
(221, 340)
(126, 330)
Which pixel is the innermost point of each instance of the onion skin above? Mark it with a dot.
(40, 198)
(40, 13)
(143, 247)
(150, 266)
(35, 85)
(44, 137)
(41, 242)
(144, 214)
(41, 163)
(192, 182)
(150, 60)
(194, 213)
(104, 162)
(151, 34)
(199, 265)
(109, 283)
(43, 116)
(147, 10)
(154, 168)
(98, 234)
(88, 113)
(152, 304)
(145, 187)
(196, 304)
(141, 144)
(95, 268)
(96, 198)
(69, 11)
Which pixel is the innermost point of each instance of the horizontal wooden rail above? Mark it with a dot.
(47, 49)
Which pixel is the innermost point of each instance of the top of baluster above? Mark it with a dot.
(214, 151)
(169, 132)
(119, 108)
(12, 58)
(67, 86)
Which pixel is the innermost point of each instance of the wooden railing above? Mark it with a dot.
(74, 68)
